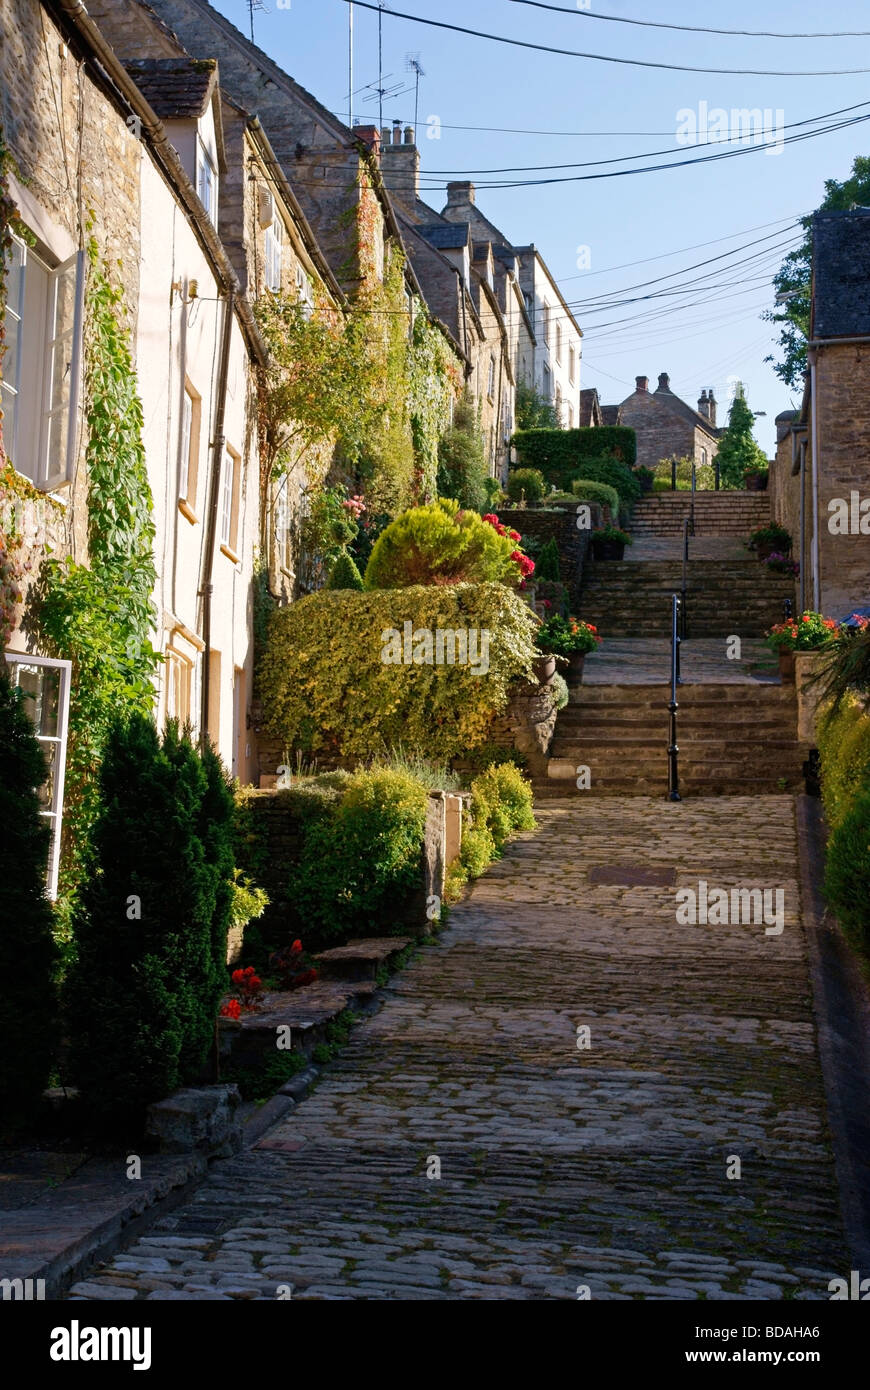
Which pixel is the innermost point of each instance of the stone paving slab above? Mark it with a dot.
(703, 660)
(463, 1146)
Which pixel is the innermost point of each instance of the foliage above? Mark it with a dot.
(292, 967)
(588, 490)
(705, 474)
(441, 544)
(501, 801)
(27, 949)
(433, 378)
(771, 535)
(462, 467)
(781, 564)
(100, 615)
(14, 489)
(615, 475)
(328, 528)
(795, 275)
(324, 676)
(645, 476)
(845, 668)
(738, 452)
(344, 574)
(494, 494)
(361, 857)
(247, 901)
(547, 563)
(843, 736)
(434, 776)
(559, 690)
(489, 753)
(566, 636)
(563, 454)
(804, 634)
(263, 605)
(847, 870)
(149, 925)
(534, 411)
(612, 535)
(526, 485)
(552, 595)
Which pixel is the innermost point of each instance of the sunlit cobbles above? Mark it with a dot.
(603, 1167)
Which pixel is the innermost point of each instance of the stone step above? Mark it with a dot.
(360, 960)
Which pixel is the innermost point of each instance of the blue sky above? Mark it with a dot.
(476, 83)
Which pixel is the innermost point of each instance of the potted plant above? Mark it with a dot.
(808, 633)
(755, 479)
(769, 540)
(781, 564)
(608, 543)
(570, 639)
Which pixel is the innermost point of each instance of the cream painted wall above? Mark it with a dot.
(178, 339)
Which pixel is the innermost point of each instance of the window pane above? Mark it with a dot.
(46, 791)
(15, 257)
(227, 508)
(184, 462)
(58, 433)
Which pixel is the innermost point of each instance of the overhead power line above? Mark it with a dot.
(695, 28)
(605, 58)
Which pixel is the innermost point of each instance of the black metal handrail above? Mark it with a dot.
(673, 746)
(692, 504)
(684, 605)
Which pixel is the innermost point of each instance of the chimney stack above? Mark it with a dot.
(711, 403)
(458, 194)
(664, 381)
(641, 383)
(369, 135)
(704, 405)
(400, 165)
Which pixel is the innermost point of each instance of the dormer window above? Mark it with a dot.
(207, 178)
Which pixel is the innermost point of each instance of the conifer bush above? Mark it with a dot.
(150, 923)
(28, 955)
(547, 563)
(344, 573)
(441, 544)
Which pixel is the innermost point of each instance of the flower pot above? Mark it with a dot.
(766, 548)
(575, 667)
(755, 482)
(544, 667)
(608, 550)
(786, 665)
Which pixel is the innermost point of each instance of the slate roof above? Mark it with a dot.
(677, 406)
(175, 88)
(446, 236)
(841, 274)
(590, 406)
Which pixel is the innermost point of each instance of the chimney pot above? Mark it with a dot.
(641, 383)
(409, 135)
(664, 381)
(385, 135)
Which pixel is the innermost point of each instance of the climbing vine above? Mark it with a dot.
(100, 615)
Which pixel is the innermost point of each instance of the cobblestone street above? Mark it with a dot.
(560, 1166)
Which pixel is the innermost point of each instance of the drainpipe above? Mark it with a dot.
(218, 441)
(815, 481)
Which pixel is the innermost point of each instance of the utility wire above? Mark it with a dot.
(695, 28)
(604, 58)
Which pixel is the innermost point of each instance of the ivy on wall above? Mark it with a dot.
(100, 615)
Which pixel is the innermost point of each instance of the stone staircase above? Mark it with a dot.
(734, 740)
(629, 598)
(716, 513)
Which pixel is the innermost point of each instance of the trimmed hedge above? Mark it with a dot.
(588, 490)
(526, 484)
(341, 671)
(614, 474)
(844, 745)
(560, 454)
(28, 955)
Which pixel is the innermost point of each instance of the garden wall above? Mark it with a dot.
(561, 526)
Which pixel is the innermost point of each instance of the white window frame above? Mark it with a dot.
(273, 253)
(55, 814)
(304, 292)
(43, 476)
(206, 165)
(228, 495)
(185, 438)
(572, 363)
(558, 341)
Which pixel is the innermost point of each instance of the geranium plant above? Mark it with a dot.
(565, 636)
(611, 533)
(248, 992)
(804, 634)
(771, 538)
(292, 966)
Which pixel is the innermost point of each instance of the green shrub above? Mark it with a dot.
(501, 799)
(494, 494)
(361, 856)
(525, 484)
(477, 852)
(843, 737)
(149, 927)
(705, 475)
(462, 467)
(344, 574)
(614, 474)
(547, 563)
(847, 869)
(562, 454)
(335, 676)
(559, 500)
(555, 594)
(27, 951)
(440, 544)
(559, 688)
(588, 490)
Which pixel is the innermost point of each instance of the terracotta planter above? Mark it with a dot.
(575, 668)
(608, 550)
(786, 666)
(544, 667)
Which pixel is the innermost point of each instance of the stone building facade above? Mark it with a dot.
(820, 478)
(666, 426)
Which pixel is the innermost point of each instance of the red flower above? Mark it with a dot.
(297, 946)
(232, 1009)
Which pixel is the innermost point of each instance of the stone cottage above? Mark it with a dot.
(665, 425)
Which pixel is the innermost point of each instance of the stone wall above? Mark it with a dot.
(843, 428)
(559, 524)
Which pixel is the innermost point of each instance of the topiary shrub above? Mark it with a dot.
(28, 955)
(441, 544)
(361, 856)
(344, 574)
(615, 475)
(562, 454)
(847, 869)
(588, 490)
(356, 673)
(149, 927)
(526, 484)
(547, 563)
